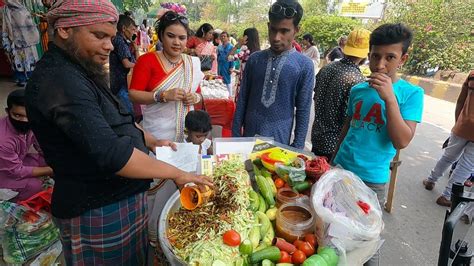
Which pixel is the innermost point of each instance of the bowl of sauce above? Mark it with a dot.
(294, 220)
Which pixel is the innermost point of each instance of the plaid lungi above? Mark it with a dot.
(115, 234)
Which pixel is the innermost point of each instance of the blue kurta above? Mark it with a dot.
(276, 91)
(223, 64)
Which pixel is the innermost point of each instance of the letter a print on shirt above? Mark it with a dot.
(376, 112)
(357, 110)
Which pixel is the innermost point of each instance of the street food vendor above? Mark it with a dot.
(98, 153)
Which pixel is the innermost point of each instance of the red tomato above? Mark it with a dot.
(279, 183)
(231, 238)
(306, 248)
(311, 238)
(284, 257)
(298, 257)
(297, 243)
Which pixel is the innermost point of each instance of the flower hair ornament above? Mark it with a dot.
(178, 8)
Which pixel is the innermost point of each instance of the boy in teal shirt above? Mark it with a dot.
(382, 112)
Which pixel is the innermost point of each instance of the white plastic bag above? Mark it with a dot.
(7, 194)
(348, 215)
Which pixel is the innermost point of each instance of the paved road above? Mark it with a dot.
(413, 230)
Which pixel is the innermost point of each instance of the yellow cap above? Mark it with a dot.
(357, 43)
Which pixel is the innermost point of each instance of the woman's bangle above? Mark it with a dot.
(162, 97)
(159, 97)
(156, 96)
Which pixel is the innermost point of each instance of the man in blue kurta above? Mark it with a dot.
(277, 85)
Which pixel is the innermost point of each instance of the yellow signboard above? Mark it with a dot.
(353, 8)
(362, 9)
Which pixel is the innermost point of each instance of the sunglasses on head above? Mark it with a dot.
(288, 12)
(172, 16)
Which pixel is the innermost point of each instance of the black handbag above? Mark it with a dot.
(206, 62)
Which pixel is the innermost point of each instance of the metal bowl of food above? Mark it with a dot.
(171, 206)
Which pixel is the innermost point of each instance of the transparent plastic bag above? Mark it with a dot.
(25, 234)
(348, 215)
(295, 172)
(50, 256)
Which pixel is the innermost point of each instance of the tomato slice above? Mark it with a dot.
(266, 157)
(231, 238)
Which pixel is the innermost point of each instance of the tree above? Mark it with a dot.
(314, 7)
(253, 12)
(235, 16)
(194, 8)
(326, 29)
(137, 4)
(442, 33)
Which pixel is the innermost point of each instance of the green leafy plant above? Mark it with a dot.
(326, 29)
(443, 33)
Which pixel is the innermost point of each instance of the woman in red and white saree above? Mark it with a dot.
(167, 83)
(154, 77)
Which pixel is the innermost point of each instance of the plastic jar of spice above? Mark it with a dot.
(294, 220)
(194, 196)
(286, 195)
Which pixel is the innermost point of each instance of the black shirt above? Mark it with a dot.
(331, 93)
(85, 133)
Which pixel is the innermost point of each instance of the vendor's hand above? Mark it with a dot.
(383, 84)
(166, 143)
(192, 178)
(213, 56)
(175, 94)
(151, 142)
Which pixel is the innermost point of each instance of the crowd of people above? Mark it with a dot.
(95, 131)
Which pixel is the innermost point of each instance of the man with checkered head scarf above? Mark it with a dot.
(98, 153)
(84, 29)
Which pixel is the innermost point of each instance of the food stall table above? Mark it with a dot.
(221, 112)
